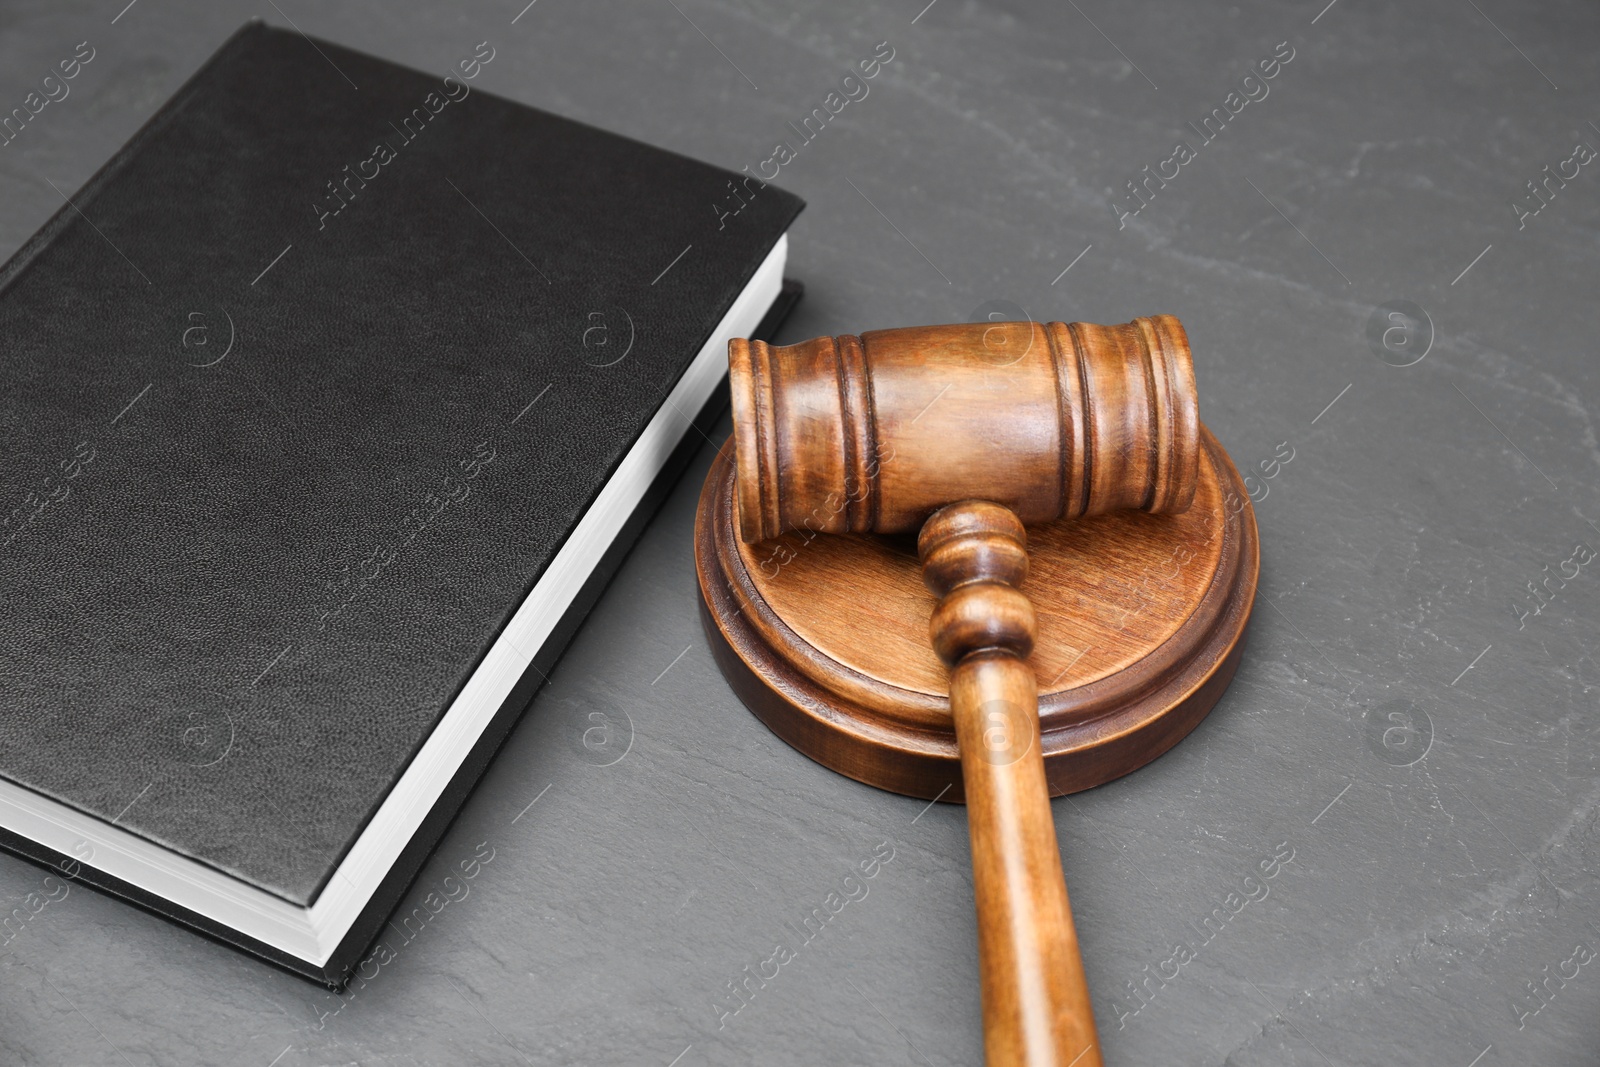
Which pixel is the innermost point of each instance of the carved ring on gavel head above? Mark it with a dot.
(872, 434)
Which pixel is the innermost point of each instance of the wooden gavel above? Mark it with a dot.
(968, 432)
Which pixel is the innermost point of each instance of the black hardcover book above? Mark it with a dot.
(330, 404)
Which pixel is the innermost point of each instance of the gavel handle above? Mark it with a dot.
(1036, 1010)
(1035, 1001)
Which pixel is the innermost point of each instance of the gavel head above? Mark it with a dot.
(872, 434)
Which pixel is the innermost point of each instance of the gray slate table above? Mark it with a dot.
(1404, 724)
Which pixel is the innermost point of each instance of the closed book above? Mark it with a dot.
(331, 403)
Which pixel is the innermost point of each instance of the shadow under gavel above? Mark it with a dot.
(969, 432)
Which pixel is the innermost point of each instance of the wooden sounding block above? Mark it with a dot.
(1138, 626)
(981, 661)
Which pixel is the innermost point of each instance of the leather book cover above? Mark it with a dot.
(304, 391)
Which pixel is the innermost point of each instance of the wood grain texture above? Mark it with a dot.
(874, 433)
(1139, 626)
(1036, 1010)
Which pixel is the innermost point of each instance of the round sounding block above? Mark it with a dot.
(1140, 623)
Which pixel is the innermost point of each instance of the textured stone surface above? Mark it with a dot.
(1396, 544)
